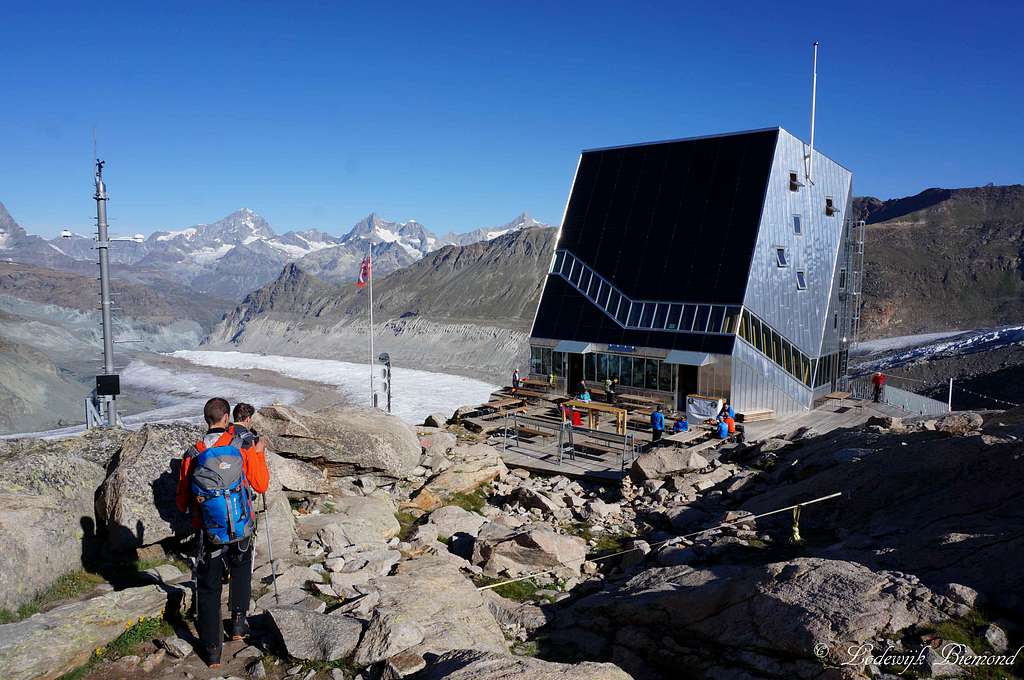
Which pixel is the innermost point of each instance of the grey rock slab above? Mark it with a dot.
(315, 636)
(531, 548)
(358, 519)
(342, 440)
(665, 462)
(297, 475)
(451, 520)
(483, 665)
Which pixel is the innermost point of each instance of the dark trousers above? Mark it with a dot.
(656, 436)
(236, 560)
(878, 393)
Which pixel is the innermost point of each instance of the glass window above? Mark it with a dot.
(781, 256)
(700, 323)
(664, 376)
(769, 348)
(623, 312)
(558, 364)
(745, 326)
(732, 320)
(647, 315)
(801, 280)
(638, 372)
(595, 283)
(787, 355)
(715, 322)
(588, 366)
(659, 315)
(559, 258)
(602, 295)
(567, 264)
(686, 324)
(602, 366)
(672, 320)
(585, 281)
(536, 360)
(794, 182)
(835, 320)
(842, 279)
(613, 302)
(651, 374)
(626, 371)
(577, 272)
(797, 228)
(755, 334)
(634, 313)
(779, 350)
(613, 366)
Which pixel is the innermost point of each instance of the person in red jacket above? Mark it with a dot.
(878, 381)
(214, 561)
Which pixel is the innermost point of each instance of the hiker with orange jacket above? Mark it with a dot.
(217, 477)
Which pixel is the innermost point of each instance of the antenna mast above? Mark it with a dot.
(809, 159)
(107, 384)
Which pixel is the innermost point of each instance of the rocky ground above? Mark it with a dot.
(414, 552)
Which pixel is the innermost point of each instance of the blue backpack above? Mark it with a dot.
(221, 491)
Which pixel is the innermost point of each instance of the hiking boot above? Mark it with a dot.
(213, 655)
(239, 627)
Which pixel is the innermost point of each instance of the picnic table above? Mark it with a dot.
(498, 404)
(531, 393)
(686, 436)
(593, 408)
(636, 398)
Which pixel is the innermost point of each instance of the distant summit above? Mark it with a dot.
(522, 221)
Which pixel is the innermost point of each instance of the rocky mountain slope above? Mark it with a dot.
(394, 547)
(465, 309)
(943, 259)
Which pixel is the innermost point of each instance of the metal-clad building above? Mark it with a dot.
(712, 265)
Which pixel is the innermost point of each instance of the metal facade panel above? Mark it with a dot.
(838, 323)
(758, 383)
(678, 356)
(772, 291)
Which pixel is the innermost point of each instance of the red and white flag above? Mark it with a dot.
(364, 273)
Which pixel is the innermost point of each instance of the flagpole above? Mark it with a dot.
(372, 401)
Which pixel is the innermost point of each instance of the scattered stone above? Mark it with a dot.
(153, 660)
(436, 420)
(451, 519)
(176, 647)
(996, 638)
(359, 519)
(297, 475)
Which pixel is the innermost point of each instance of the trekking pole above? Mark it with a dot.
(270, 549)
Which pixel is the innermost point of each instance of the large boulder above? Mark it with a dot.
(665, 462)
(135, 503)
(451, 520)
(959, 423)
(774, 611)
(528, 549)
(356, 519)
(344, 441)
(46, 517)
(307, 634)
(471, 664)
(46, 646)
(427, 606)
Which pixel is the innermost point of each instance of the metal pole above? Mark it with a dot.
(373, 399)
(270, 549)
(949, 405)
(103, 245)
(814, 102)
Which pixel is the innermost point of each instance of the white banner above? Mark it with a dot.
(702, 408)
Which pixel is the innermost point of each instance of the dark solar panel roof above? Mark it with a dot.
(673, 221)
(565, 314)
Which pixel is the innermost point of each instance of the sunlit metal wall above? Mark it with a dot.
(772, 292)
(759, 383)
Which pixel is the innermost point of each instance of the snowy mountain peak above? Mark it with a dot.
(521, 221)
(416, 239)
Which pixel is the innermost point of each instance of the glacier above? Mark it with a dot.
(415, 393)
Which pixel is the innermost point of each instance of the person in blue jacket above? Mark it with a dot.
(727, 410)
(680, 426)
(723, 429)
(657, 424)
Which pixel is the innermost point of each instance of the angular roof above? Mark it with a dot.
(672, 221)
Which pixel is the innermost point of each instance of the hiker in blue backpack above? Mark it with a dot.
(218, 475)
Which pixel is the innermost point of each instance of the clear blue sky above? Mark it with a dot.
(464, 114)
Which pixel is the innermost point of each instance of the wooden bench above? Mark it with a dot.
(709, 444)
(755, 415)
(531, 432)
